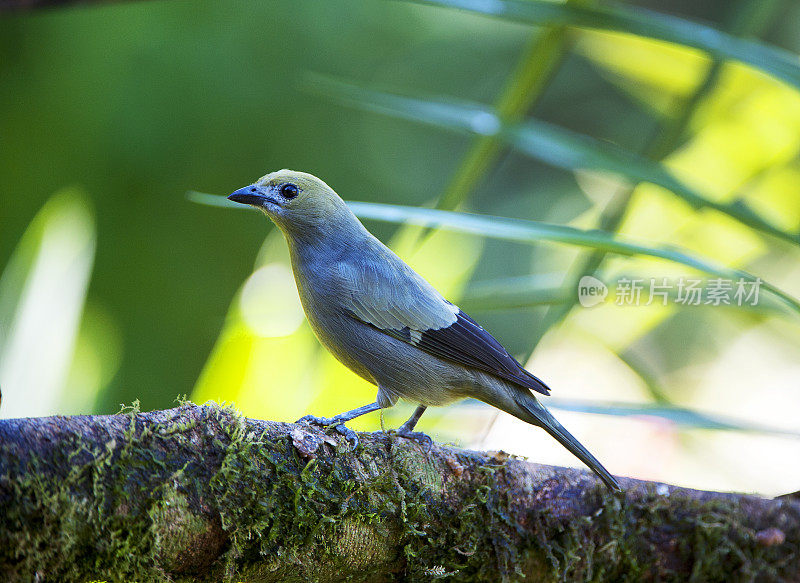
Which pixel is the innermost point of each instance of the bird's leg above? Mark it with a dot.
(341, 417)
(409, 425)
(407, 429)
(339, 421)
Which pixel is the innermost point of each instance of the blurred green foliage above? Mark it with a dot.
(575, 119)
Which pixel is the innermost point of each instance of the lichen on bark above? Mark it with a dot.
(201, 493)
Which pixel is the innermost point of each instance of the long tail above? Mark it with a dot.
(544, 419)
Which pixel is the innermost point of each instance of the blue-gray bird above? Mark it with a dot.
(386, 323)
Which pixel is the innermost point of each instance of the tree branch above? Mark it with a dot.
(202, 494)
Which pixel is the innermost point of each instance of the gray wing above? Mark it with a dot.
(393, 298)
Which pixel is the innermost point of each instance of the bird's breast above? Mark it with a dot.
(334, 328)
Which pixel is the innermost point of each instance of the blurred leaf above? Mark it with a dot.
(207, 199)
(43, 291)
(741, 18)
(524, 87)
(653, 72)
(534, 232)
(639, 21)
(515, 292)
(682, 416)
(648, 377)
(98, 353)
(270, 369)
(678, 415)
(543, 141)
(530, 290)
(775, 193)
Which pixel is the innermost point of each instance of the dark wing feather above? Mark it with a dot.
(386, 293)
(467, 343)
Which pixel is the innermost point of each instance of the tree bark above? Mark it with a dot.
(203, 494)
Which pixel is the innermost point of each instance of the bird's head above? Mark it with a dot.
(295, 201)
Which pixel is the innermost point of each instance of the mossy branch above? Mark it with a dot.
(203, 494)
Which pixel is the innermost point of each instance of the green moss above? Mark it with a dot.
(181, 535)
(422, 471)
(89, 512)
(53, 528)
(274, 507)
(655, 538)
(341, 507)
(291, 506)
(248, 500)
(479, 540)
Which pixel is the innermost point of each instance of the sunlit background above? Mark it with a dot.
(672, 160)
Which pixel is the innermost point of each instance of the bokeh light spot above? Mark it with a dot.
(269, 302)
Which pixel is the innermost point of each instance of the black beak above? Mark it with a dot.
(251, 195)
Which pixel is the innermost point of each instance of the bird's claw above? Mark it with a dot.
(348, 434)
(422, 438)
(314, 420)
(325, 422)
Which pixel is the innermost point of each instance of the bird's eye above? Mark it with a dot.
(289, 190)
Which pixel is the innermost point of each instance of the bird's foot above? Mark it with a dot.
(348, 434)
(314, 420)
(423, 439)
(325, 422)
